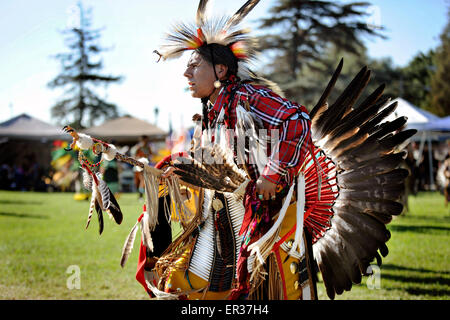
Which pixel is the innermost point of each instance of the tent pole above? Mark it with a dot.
(422, 143)
(430, 161)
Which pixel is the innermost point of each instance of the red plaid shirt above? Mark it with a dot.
(291, 120)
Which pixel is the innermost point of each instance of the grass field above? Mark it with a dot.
(42, 237)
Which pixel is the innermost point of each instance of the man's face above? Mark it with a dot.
(200, 76)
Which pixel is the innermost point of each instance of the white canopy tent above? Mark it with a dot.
(441, 124)
(417, 118)
(429, 126)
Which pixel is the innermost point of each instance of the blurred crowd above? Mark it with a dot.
(24, 175)
(63, 172)
(427, 172)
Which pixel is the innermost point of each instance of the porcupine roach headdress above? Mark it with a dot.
(222, 31)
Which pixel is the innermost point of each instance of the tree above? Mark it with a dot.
(310, 85)
(439, 99)
(306, 29)
(416, 79)
(309, 26)
(79, 74)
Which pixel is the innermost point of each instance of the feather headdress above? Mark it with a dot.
(205, 31)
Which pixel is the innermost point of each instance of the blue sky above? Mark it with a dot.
(29, 36)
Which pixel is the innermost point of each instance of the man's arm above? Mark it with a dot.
(288, 155)
(294, 135)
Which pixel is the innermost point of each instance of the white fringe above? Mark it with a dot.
(246, 128)
(239, 193)
(161, 295)
(151, 192)
(144, 161)
(84, 141)
(298, 243)
(182, 212)
(150, 218)
(110, 153)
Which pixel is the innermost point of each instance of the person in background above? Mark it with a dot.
(5, 176)
(447, 176)
(141, 151)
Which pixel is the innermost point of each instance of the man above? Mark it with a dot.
(250, 236)
(245, 234)
(216, 73)
(276, 112)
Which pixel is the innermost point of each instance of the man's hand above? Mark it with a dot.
(169, 171)
(265, 188)
(167, 174)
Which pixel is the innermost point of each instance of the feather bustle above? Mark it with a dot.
(369, 180)
(314, 114)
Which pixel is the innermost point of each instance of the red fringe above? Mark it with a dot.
(319, 212)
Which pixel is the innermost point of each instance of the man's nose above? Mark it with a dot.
(187, 73)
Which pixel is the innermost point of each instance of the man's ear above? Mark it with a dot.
(221, 71)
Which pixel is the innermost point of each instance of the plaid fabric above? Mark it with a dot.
(276, 113)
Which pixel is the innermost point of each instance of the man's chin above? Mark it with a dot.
(195, 95)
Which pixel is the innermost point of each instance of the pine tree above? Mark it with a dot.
(305, 29)
(439, 99)
(81, 105)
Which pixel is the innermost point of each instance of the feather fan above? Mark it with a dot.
(218, 173)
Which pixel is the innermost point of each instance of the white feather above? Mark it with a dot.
(110, 153)
(84, 141)
(91, 208)
(145, 233)
(128, 245)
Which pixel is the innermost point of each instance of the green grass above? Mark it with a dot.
(418, 264)
(42, 234)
